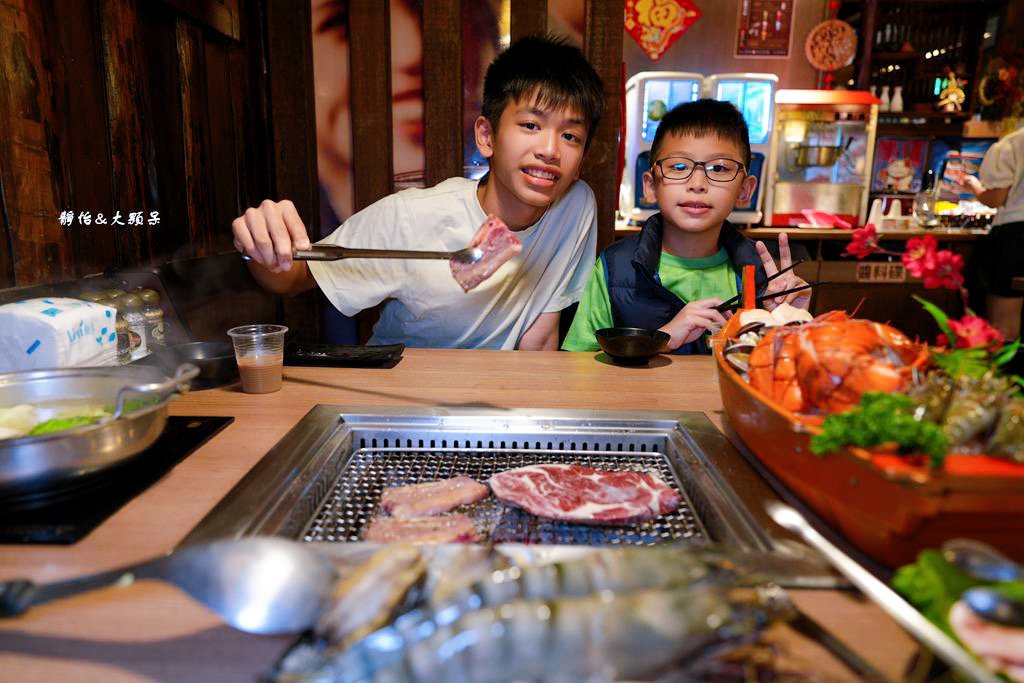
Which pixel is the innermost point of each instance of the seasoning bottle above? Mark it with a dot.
(154, 315)
(124, 345)
(136, 322)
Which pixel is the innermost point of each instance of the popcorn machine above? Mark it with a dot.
(822, 149)
(651, 94)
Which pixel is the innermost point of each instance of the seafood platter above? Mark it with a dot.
(790, 384)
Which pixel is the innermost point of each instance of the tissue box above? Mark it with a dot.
(56, 332)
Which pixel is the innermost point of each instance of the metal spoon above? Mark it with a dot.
(330, 252)
(258, 585)
(981, 561)
(886, 598)
(993, 606)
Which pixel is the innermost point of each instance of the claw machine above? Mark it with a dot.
(651, 94)
(752, 94)
(822, 150)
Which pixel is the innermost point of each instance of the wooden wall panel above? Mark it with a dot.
(442, 91)
(81, 150)
(134, 164)
(528, 18)
(159, 25)
(370, 99)
(35, 246)
(195, 123)
(602, 44)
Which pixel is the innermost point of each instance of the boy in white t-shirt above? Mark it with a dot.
(999, 256)
(542, 99)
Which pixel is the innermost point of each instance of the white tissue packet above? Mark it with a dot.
(56, 332)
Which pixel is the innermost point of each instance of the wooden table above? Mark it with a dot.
(150, 631)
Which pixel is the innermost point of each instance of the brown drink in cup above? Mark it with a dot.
(260, 374)
(259, 350)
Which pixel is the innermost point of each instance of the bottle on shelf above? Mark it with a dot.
(884, 106)
(136, 321)
(897, 99)
(154, 315)
(124, 345)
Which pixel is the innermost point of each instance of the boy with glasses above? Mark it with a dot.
(687, 259)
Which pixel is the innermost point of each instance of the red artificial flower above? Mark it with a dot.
(946, 271)
(919, 258)
(863, 243)
(972, 331)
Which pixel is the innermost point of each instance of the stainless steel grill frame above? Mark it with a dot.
(315, 472)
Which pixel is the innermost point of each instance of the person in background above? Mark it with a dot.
(542, 100)
(687, 258)
(999, 256)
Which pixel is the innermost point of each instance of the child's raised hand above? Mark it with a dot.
(788, 280)
(691, 322)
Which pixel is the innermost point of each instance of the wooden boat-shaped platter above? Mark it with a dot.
(889, 506)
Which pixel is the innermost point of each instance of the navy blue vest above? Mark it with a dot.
(637, 296)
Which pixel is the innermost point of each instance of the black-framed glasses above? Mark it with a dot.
(721, 170)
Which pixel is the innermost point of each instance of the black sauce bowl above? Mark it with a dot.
(632, 345)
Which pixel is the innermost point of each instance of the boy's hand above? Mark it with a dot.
(691, 322)
(269, 233)
(788, 280)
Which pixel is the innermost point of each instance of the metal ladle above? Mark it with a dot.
(260, 585)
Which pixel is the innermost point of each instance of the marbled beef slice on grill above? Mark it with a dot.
(574, 493)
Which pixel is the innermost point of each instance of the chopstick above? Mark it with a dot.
(722, 308)
(731, 303)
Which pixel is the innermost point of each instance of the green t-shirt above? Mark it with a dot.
(688, 278)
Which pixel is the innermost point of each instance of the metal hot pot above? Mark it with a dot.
(33, 464)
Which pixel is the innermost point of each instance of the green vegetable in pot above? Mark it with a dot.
(59, 424)
(882, 419)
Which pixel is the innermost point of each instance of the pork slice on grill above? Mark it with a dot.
(498, 244)
(456, 528)
(574, 493)
(432, 498)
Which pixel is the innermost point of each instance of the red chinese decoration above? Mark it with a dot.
(656, 24)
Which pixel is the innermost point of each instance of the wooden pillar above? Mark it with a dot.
(867, 42)
(370, 99)
(529, 17)
(602, 44)
(442, 90)
(293, 111)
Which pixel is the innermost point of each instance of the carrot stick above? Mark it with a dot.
(749, 292)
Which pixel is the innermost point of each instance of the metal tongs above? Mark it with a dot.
(330, 252)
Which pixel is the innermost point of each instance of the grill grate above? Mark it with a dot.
(355, 498)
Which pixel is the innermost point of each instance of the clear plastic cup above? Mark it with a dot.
(259, 350)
